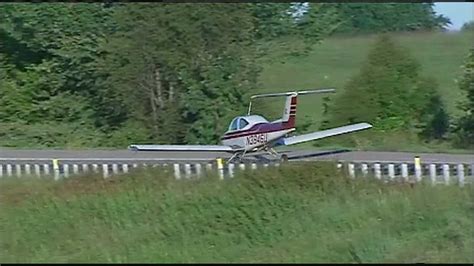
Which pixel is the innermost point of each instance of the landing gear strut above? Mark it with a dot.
(239, 155)
(235, 155)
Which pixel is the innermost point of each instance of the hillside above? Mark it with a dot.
(335, 60)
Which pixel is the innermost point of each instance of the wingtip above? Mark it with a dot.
(366, 125)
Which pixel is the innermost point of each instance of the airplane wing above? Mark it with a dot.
(181, 148)
(326, 133)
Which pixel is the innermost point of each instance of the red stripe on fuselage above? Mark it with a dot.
(271, 128)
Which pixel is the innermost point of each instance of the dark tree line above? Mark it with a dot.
(388, 17)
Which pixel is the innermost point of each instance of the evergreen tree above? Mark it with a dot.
(389, 92)
(465, 125)
(437, 120)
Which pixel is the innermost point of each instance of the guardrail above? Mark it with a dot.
(437, 173)
(413, 172)
(57, 169)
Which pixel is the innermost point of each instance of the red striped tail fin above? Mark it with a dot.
(289, 113)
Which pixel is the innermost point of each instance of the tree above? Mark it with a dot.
(293, 28)
(388, 17)
(155, 72)
(182, 78)
(437, 122)
(468, 26)
(53, 50)
(465, 125)
(390, 93)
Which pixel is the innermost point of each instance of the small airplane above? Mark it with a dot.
(253, 133)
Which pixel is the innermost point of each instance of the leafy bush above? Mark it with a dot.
(49, 135)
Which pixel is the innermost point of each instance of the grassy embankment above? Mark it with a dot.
(291, 214)
(333, 62)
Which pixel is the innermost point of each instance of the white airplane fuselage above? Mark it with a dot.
(253, 132)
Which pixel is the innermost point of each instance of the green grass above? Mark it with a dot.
(289, 214)
(333, 62)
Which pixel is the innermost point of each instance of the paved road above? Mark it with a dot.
(9, 155)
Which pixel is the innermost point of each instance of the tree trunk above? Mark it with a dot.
(170, 94)
(159, 89)
(154, 111)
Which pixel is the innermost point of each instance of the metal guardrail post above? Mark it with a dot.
(46, 169)
(125, 168)
(461, 174)
(418, 172)
(27, 169)
(187, 170)
(198, 169)
(220, 168)
(18, 170)
(377, 170)
(391, 171)
(365, 169)
(351, 169)
(37, 170)
(177, 173)
(446, 173)
(405, 171)
(66, 170)
(75, 169)
(433, 173)
(56, 169)
(105, 170)
(115, 169)
(231, 169)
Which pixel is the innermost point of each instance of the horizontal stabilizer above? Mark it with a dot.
(328, 90)
(180, 148)
(326, 133)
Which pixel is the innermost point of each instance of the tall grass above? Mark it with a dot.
(294, 213)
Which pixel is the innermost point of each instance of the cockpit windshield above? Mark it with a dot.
(234, 124)
(238, 123)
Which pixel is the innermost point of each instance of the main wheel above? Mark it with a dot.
(284, 158)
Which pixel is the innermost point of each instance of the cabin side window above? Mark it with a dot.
(243, 123)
